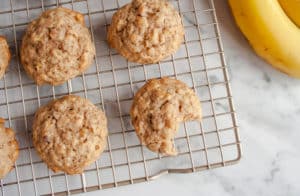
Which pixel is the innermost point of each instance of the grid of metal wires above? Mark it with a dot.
(110, 84)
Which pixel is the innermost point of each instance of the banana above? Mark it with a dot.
(271, 33)
(292, 9)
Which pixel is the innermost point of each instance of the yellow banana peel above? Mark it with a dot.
(270, 31)
(292, 9)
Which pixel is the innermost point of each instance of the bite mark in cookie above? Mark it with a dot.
(158, 108)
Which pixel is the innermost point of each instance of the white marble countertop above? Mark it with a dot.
(268, 107)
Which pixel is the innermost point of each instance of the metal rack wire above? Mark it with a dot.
(110, 84)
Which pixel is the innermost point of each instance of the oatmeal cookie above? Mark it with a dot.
(4, 56)
(69, 134)
(146, 31)
(56, 47)
(158, 108)
(9, 149)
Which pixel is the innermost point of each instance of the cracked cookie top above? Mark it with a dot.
(146, 31)
(69, 133)
(4, 56)
(158, 108)
(56, 47)
(9, 149)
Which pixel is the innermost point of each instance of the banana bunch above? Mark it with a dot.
(273, 29)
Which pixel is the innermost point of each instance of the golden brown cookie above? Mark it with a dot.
(9, 149)
(69, 134)
(146, 31)
(4, 55)
(158, 108)
(57, 47)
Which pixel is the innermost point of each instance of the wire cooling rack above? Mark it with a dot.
(110, 83)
